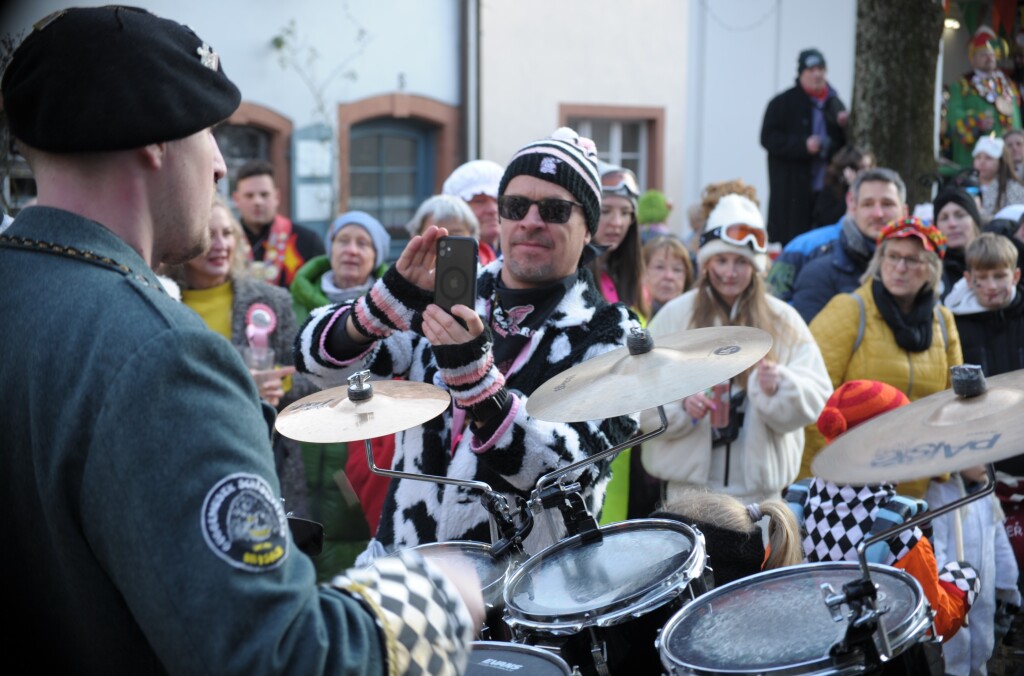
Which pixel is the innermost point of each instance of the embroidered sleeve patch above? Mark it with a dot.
(244, 524)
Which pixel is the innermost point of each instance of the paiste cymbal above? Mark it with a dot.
(931, 436)
(619, 383)
(330, 416)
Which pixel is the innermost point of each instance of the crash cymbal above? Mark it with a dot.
(619, 383)
(330, 416)
(931, 436)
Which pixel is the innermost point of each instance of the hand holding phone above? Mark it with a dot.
(455, 273)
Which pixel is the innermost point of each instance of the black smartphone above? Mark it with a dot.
(455, 273)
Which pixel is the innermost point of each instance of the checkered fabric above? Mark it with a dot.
(426, 625)
(963, 577)
(838, 517)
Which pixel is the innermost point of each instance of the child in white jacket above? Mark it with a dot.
(986, 545)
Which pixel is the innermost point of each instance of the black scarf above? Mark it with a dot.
(913, 331)
(517, 313)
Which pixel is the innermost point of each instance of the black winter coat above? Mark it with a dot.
(995, 339)
(787, 124)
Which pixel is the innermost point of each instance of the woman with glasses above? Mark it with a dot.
(745, 436)
(619, 270)
(892, 329)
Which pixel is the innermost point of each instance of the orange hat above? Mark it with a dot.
(855, 402)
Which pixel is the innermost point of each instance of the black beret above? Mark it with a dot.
(95, 79)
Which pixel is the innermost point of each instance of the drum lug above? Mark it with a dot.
(598, 653)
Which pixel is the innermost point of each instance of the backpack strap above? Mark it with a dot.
(860, 323)
(942, 325)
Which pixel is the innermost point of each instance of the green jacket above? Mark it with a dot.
(146, 531)
(332, 501)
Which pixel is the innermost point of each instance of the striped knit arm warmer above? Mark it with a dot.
(469, 371)
(392, 304)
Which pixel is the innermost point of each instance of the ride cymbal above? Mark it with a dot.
(619, 383)
(330, 416)
(940, 433)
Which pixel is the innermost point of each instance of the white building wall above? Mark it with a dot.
(744, 52)
(538, 54)
(413, 41)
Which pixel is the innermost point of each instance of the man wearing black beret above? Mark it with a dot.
(137, 474)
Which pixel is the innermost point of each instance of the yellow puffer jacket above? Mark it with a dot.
(878, 357)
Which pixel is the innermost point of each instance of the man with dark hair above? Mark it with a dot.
(279, 247)
(803, 127)
(877, 197)
(148, 530)
(537, 313)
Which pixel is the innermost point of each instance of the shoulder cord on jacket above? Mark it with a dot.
(27, 244)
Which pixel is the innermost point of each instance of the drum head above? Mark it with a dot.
(489, 658)
(491, 571)
(778, 619)
(575, 583)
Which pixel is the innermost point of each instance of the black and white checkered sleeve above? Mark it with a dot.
(963, 577)
(426, 626)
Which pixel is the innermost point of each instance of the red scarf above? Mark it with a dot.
(819, 95)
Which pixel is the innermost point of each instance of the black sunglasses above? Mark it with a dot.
(551, 210)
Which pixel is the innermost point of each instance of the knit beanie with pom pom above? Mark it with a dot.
(855, 402)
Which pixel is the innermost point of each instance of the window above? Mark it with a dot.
(629, 136)
(618, 142)
(19, 185)
(391, 171)
(240, 143)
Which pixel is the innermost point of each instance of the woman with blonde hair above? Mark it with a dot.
(732, 532)
(217, 285)
(892, 329)
(668, 270)
(751, 450)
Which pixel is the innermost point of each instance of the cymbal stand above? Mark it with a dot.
(551, 491)
(506, 535)
(860, 595)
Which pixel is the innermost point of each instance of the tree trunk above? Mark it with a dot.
(893, 109)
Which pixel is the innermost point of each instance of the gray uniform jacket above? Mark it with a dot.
(137, 480)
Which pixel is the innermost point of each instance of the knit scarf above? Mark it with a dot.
(913, 331)
(859, 248)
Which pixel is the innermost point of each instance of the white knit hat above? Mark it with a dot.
(990, 145)
(730, 210)
(476, 177)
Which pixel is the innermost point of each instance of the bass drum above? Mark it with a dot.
(493, 574)
(600, 604)
(488, 658)
(777, 622)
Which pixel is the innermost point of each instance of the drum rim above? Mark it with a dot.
(911, 626)
(556, 660)
(651, 596)
(475, 547)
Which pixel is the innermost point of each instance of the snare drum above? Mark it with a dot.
(490, 658)
(777, 622)
(600, 604)
(493, 574)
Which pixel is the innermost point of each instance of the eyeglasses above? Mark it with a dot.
(911, 262)
(551, 210)
(620, 182)
(738, 234)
